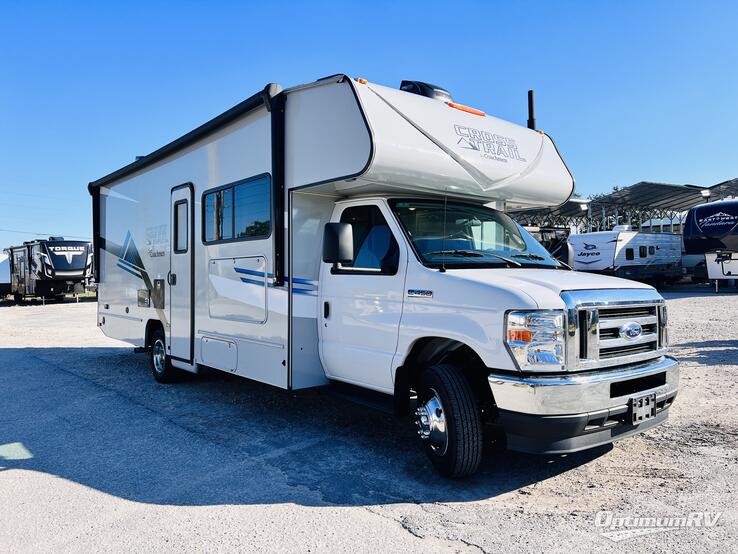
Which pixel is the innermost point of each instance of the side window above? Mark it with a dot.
(239, 211)
(629, 254)
(375, 248)
(642, 251)
(218, 218)
(180, 227)
(253, 209)
(652, 250)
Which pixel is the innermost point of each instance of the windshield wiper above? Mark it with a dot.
(473, 254)
(463, 253)
(529, 256)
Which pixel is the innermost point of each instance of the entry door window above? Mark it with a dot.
(180, 227)
(375, 248)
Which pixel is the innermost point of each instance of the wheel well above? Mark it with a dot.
(151, 325)
(432, 350)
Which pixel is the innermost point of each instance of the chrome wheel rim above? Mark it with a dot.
(159, 356)
(430, 419)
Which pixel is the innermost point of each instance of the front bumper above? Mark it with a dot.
(548, 414)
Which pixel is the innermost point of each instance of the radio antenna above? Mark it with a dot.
(531, 112)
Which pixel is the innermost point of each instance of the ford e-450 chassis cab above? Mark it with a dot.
(350, 235)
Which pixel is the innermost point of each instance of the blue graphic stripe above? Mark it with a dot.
(251, 272)
(252, 281)
(305, 291)
(124, 268)
(126, 263)
(297, 280)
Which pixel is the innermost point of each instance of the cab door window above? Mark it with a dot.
(375, 249)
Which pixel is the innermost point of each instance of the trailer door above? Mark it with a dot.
(181, 274)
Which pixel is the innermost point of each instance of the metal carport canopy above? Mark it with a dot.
(647, 196)
(644, 200)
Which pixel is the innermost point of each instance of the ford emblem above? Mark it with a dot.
(630, 331)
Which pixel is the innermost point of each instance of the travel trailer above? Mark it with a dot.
(4, 275)
(648, 257)
(49, 268)
(338, 234)
(710, 229)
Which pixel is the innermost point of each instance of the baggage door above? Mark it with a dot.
(181, 275)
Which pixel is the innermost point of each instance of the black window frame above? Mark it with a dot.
(629, 254)
(232, 186)
(339, 270)
(175, 227)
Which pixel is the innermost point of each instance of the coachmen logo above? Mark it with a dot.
(68, 252)
(630, 331)
(489, 145)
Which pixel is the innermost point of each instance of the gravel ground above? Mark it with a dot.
(94, 455)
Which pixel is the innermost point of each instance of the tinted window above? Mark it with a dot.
(180, 227)
(642, 251)
(375, 248)
(219, 215)
(253, 209)
(454, 234)
(629, 254)
(652, 250)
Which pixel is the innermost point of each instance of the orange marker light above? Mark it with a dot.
(466, 109)
(361, 81)
(519, 335)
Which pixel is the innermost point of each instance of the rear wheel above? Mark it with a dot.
(449, 420)
(161, 365)
(17, 298)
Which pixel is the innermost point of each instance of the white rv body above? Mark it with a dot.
(4, 274)
(629, 254)
(265, 305)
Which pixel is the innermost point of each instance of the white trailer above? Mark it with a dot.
(4, 275)
(336, 233)
(622, 252)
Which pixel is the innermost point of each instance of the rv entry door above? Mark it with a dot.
(181, 275)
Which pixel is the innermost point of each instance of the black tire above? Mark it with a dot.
(59, 298)
(463, 418)
(17, 298)
(162, 370)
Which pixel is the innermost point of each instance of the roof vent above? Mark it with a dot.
(56, 238)
(427, 90)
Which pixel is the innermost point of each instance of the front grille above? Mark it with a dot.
(604, 331)
(612, 320)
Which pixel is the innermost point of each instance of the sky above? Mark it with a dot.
(629, 90)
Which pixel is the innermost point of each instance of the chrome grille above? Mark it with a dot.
(597, 321)
(612, 345)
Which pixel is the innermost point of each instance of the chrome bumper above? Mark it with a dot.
(578, 393)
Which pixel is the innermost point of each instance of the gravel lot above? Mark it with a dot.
(94, 455)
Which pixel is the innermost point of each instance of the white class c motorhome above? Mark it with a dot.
(338, 233)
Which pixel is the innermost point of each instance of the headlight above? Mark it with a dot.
(536, 339)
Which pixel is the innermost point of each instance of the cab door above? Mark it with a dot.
(361, 301)
(181, 275)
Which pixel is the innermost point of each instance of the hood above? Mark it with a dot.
(544, 286)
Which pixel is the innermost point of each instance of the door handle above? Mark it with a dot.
(172, 279)
(326, 310)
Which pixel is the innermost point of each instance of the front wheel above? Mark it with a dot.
(161, 365)
(449, 420)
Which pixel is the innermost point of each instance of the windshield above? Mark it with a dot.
(469, 236)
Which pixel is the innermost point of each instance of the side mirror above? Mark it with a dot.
(338, 243)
